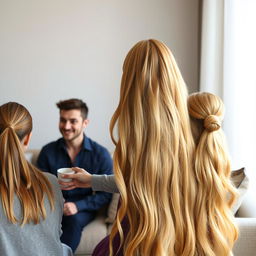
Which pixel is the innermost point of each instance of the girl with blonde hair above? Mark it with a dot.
(152, 159)
(31, 202)
(215, 228)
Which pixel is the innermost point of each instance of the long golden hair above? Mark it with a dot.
(17, 176)
(215, 228)
(152, 159)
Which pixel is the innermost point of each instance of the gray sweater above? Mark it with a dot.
(42, 239)
(105, 183)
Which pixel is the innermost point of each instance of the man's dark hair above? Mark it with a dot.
(74, 104)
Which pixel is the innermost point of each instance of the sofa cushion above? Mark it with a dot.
(112, 208)
(246, 242)
(32, 155)
(241, 182)
(92, 234)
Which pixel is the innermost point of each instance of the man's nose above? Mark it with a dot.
(67, 126)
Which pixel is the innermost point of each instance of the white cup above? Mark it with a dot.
(64, 171)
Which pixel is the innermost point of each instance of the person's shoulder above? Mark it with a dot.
(54, 184)
(96, 147)
(101, 156)
(52, 178)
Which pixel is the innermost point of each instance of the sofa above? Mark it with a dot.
(245, 218)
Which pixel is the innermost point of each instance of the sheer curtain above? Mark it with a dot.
(228, 69)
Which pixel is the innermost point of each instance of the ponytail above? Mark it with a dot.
(17, 176)
(216, 231)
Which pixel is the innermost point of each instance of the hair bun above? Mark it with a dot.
(212, 123)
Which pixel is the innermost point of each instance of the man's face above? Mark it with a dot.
(71, 124)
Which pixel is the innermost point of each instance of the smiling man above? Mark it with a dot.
(75, 149)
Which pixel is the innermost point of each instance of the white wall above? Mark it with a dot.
(58, 49)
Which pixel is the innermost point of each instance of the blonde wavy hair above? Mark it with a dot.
(215, 228)
(17, 176)
(152, 159)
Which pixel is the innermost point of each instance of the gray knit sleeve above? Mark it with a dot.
(104, 183)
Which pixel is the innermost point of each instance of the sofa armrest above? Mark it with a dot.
(246, 243)
(248, 206)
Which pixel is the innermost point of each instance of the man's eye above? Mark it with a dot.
(73, 121)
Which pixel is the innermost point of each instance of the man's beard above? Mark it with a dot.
(75, 135)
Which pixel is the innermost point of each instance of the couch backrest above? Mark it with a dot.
(32, 155)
